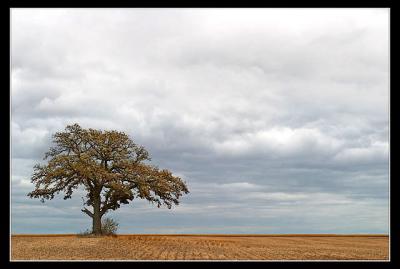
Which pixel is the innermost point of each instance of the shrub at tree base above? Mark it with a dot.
(108, 227)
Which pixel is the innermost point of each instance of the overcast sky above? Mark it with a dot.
(277, 119)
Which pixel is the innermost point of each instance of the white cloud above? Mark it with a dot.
(281, 142)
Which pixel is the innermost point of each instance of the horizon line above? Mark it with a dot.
(209, 234)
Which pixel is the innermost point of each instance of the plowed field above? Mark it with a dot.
(200, 247)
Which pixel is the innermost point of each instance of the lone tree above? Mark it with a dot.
(110, 167)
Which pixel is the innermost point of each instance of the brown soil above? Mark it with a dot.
(200, 247)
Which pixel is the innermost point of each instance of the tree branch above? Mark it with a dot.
(87, 211)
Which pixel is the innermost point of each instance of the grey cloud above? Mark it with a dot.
(249, 106)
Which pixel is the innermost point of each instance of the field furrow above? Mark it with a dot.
(199, 247)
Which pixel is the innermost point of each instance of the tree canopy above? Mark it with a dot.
(110, 167)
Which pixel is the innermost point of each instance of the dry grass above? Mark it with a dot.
(200, 247)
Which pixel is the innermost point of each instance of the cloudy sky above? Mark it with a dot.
(277, 119)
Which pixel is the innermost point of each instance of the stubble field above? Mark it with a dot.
(200, 247)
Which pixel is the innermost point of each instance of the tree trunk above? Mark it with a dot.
(96, 228)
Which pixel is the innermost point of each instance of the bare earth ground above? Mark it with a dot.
(200, 247)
